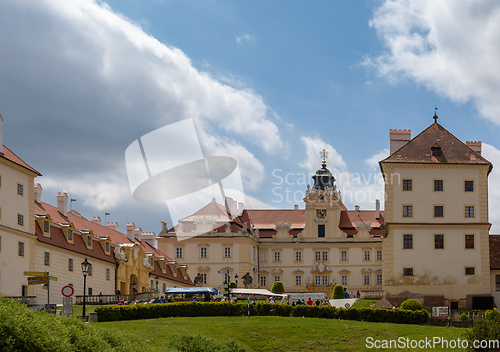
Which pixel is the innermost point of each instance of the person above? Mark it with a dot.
(358, 294)
(121, 303)
(293, 304)
(318, 302)
(309, 302)
(346, 295)
(302, 303)
(194, 299)
(271, 300)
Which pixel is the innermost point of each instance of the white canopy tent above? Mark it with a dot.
(256, 292)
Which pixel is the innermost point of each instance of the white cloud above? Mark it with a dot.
(451, 47)
(240, 39)
(361, 189)
(372, 161)
(493, 155)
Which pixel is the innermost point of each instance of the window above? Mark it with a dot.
(324, 280)
(70, 235)
(108, 274)
(46, 259)
(90, 291)
(379, 255)
(263, 256)
(298, 256)
(438, 211)
(366, 280)
(89, 241)
(277, 278)
(469, 211)
(324, 256)
(107, 246)
(379, 279)
(470, 271)
(497, 283)
(317, 280)
(163, 266)
(317, 255)
(408, 271)
(407, 211)
(438, 185)
(367, 255)
(469, 241)
(407, 185)
(178, 252)
(277, 257)
(343, 255)
(20, 220)
(203, 278)
(70, 264)
(298, 280)
(164, 287)
(438, 241)
(46, 226)
(343, 280)
(469, 186)
(321, 230)
(20, 189)
(407, 241)
(20, 249)
(90, 270)
(227, 252)
(203, 252)
(263, 281)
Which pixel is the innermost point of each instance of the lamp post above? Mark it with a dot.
(85, 270)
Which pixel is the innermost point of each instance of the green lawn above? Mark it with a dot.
(363, 303)
(282, 334)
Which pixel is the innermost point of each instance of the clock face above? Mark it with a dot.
(321, 213)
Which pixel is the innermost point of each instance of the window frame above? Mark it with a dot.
(468, 269)
(179, 252)
(276, 256)
(46, 259)
(408, 240)
(298, 280)
(203, 252)
(321, 231)
(407, 185)
(408, 271)
(298, 256)
(438, 211)
(469, 211)
(467, 241)
(20, 189)
(379, 255)
(468, 185)
(20, 219)
(21, 249)
(439, 241)
(440, 184)
(227, 251)
(407, 211)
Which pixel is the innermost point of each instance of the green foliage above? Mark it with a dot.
(492, 315)
(464, 316)
(338, 292)
(412, 304)
(232, 284)
(24, 330)
(205, 309)
(482, 331)
(278, 287)
(199, 343)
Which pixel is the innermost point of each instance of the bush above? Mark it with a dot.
(492, 315)
(338, 292)
(412, 304)
(482, 331)
(278, 287)
(232, 284)
(464, 317)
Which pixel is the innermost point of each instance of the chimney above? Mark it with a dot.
(112, 226)
(130, 231)
(399, 138)
(62, 203)
(138, 233)
(356, 207)
(475, 146)
(149, 237)
(241, 207)
(377, 209)
(96, 220)
(296, 207)
(1, 138)
(38, 193)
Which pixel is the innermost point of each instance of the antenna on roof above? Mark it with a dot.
(71, 204)
(435, 117)
(105, 221)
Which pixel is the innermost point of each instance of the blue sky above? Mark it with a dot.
(274, 82)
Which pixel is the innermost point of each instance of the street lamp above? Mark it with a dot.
(236, 280)
(86, 267)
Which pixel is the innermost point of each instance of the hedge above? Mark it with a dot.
(209, 309)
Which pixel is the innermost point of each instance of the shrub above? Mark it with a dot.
(412, 304)
(338, 292)
(232, 284)
(492, 315)
(482, 331)
(278, 287)
(464, 316)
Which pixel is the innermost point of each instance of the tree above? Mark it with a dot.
(412, 304)
(338, 292)
(232, 284)
(278, 287)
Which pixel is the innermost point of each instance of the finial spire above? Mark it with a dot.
(435, 117)
(324, 155)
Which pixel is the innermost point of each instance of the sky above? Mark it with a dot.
(269, 83)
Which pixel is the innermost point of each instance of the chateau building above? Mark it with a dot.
(431, 240)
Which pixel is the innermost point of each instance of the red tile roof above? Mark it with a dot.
(453, 151)
(9, 155)
(212, 210)
(169, 275)
(266, 218)
(58, 239)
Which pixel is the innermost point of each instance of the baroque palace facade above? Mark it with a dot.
(432, 239)
(36, 236)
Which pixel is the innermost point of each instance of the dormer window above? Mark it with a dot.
(436, 150)
(89, 242)
(70, 235)
(107, 247)
(46, 226)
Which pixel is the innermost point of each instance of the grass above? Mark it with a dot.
(78, 309)
(281, 334)
(363, 303)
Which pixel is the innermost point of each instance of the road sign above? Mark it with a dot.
(37, 278)
(36, 273)
(223, 271)
(223, 286)
(37, 282)
(223, 292)
(67, 291)
(68, 305)
(53, 278)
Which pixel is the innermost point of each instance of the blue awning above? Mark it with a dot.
(185, 290)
